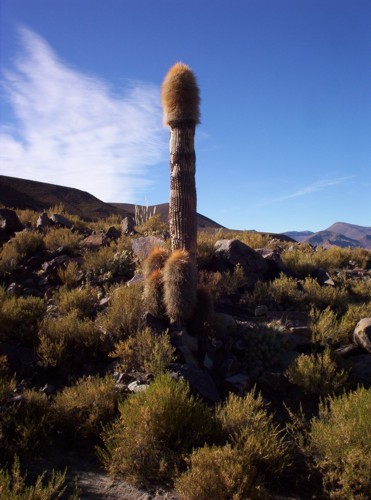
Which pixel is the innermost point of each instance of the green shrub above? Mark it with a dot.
(146, 351)
(80, 410)
(241, 468)
(318, 373)
(24, 423)
(109, 261)
(324, 296)
(341, 443)
(262, 348)
(153, 226)
(13, 485)
(81, 300)
(349, 320)
(156, 428)
(123, 317)
(57, 237)
(220, 473)
(70, 275)
(19, 318)
(62, 337)
(325, 327)
(23, 245)
(7, 382)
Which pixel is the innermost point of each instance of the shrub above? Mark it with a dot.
(28, 216)
(239, 469)
(155, 429)
(123, 316)
(24, 422)
(57, 237)
(153, 226)
(23, 245)
(7, 383)
(146, 350)
(13, 485)
(109, 259)
(82, 409)
(69, 275)
(353, 314)
(262, 348)
(220, 472)
(325, 326)
(341, 443)
(81, 300)
(323, 296)
(180, 291)
(60, 338)
(318, 373)
(19, 318)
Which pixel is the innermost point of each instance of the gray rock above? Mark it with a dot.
(53, 265)
(239, 381)
(144, 245)
(274, 381)
(286, 358)
(261, 310)
(137, 387)
(362, 334)
(4, 236)
(43, 221)
(9, 221)
(323, 277)
(127, 225)
(199, 381)
(295, 342)
(229, 253)
(61, 220)
(95, 240)
(360, 369)
(113, 233)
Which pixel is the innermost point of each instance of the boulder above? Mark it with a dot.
(4, 236)
(144, 245)
(199, 381)
(95, 240)
(322, 277)
(127, 225)
(9, 221)
(113, 233)
(43, 221)
(61, 220)
(229, 253)
(362, 334)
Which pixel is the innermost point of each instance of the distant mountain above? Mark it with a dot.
(39, 196)
(298, 235)
(163, 210)
(340, 234)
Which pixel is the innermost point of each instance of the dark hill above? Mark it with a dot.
(39, 196)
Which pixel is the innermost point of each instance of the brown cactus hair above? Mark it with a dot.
(180, 96)
(179, 278)
(155, 260)
(153, 294)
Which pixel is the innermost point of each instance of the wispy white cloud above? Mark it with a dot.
(313, 188)
(72, 129)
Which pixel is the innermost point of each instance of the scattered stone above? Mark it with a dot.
(274, 381)
(362, 334)
(230, 366)
(15, 289)
(239, 381)
(304, 331)
(61, 220)
(199, 381)
(360, 369)
(347, 350)
(261, 310)
(113, 233)
(208, 362)
(144, 245)
(294, 342)
(48, 389)
(43, 221)
(127, 225)
(189, 358)
(95, 240)
(137, 387)
(323, 277)
(53, 265)
(9, 221)
(286, 358)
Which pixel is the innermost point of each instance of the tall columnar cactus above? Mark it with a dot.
(180, 101)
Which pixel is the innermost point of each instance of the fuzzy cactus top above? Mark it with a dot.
(180, 96)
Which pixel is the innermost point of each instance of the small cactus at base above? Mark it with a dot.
(153, 294)
(155, 261)
(179, 276)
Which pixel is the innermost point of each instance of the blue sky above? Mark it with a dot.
(285, 138)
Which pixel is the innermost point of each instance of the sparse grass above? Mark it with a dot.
(123, 317)
(62, 337)
(341, 444)
(146, 351)
(80, 411)
(81, 300)
(19, 317)
(156, 428)
(318, 373)
(13, 485)
(28, 216)
(153, 226)
(24, 244)
(57, 237)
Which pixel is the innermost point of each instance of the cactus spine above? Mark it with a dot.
(180, 101)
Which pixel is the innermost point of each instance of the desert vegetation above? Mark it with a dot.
(102, 346)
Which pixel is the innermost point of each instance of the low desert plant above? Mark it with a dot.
(56, 237)
(341, 444)
(324, 296)
(19, 317)
(81, 300)
(318, 373)
(156, 428)
(109, 261)
(24, 423)
(123, 317)
(23, 245)
(146, 350)
(70, 275)
(62, 337)
(80, 411)
(325, 326)
(13, 485)
(153, 226)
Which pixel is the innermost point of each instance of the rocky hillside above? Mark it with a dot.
(340, 234)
